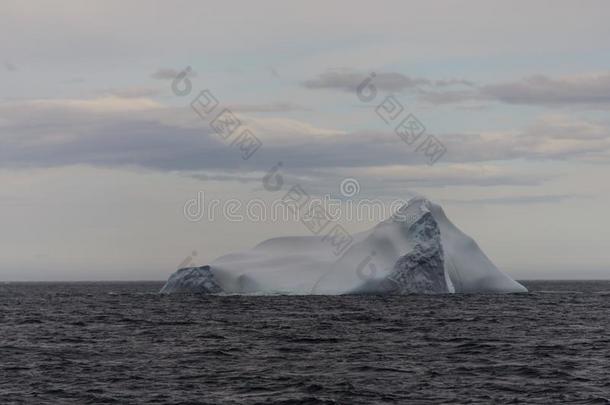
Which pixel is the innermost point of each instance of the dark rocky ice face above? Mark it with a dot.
(198, 280)
(422, 270)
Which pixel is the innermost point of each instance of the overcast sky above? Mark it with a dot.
(98, 155)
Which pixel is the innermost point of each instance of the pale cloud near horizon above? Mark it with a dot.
(519, 200)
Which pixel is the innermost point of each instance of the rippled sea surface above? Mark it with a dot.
(78, 343)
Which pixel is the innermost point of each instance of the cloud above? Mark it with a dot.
(519, 200)
(223, 176)
(133, 92)
(168, 73)
(348, 80)
(108, 104)
(454, 82)
(584, 89)
(544, 90)
(112, 131)
(289, 131)
(438, 97)
(449, 175)
(549, 138)
(10, 66)
(263, 108)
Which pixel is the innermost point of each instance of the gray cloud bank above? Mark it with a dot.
(591, 89)
(347, 80)
(170, 74)
(585, 89)
(139, 132)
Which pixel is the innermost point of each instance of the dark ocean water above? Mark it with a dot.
(93, 343)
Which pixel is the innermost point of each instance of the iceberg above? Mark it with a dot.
(416, 251)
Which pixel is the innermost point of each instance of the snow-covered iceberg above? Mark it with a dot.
(417, 250)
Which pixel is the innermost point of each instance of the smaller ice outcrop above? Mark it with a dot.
(192, 280)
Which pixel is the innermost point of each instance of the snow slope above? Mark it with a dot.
(418, 250)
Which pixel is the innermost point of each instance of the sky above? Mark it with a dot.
(101, 148)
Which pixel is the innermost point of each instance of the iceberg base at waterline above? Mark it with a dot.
(416, 251)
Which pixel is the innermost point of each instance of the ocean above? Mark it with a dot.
(122, 343)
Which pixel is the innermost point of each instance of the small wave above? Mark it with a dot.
(558, 292)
